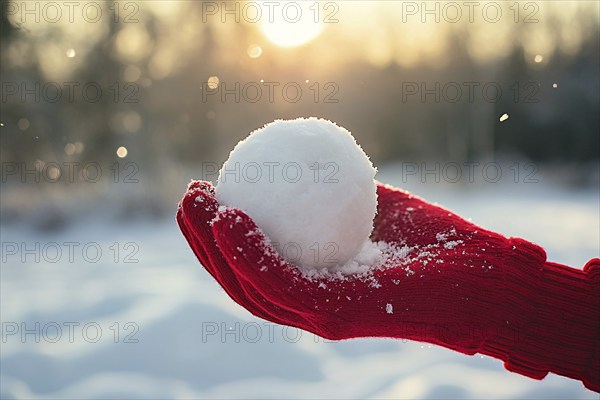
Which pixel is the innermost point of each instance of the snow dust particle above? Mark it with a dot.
(452, 244)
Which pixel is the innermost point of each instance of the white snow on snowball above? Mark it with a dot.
(310, 188)
(371, 257)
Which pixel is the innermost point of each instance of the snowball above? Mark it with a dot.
(308, 185)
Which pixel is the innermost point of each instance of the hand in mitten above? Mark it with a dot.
(446, 281)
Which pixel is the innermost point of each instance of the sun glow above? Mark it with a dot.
(292, 24)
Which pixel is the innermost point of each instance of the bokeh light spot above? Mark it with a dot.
(213, 82)
(122, 152)
(254, 51)
(69, 149)
(53, 172)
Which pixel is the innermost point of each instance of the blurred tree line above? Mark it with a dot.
(156, 102)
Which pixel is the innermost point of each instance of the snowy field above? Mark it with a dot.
(134, 315)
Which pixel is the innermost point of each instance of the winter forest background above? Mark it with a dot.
(109, 108)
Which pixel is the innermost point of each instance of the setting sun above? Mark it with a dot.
(292, 24)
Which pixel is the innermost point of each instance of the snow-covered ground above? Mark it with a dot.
(144, 320)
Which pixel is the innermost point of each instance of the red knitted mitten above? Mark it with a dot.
(453, 284)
